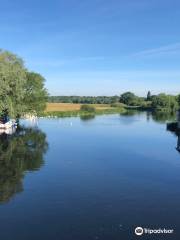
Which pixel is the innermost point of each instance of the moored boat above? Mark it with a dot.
(8, 124)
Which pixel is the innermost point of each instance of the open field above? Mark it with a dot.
(73, 109)
(65, 107)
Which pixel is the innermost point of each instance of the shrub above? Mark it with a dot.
(165, 102)
(87, 108)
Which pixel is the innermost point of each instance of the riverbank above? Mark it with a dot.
(72, 110)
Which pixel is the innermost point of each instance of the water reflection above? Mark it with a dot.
(8, 131)
(175, 128)
(131, 112)
(131, 116)
(163, 117)
(178, 143)
(20, 152)
(87, 117)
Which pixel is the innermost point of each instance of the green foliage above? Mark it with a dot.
(163, 102)
(21, 92)
(148, 96)
(128, 98)
(12, 83)
(160, 102)
(84, 99)
(145, 104)
(178, 99)
(36, 95)
(131, 99)
(87, 108)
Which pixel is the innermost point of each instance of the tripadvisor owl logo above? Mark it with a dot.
(139, 231)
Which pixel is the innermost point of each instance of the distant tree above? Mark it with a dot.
(84, 99)
(115, 99)
(128, 98)
(164, 102)
(148, 96)
(178, 99)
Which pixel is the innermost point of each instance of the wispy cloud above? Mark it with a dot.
(163, 50)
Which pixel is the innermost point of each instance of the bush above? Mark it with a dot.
(128, 98)
(178, 99)
(87, 108)
(164, 102)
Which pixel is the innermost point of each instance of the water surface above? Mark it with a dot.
(80, 179)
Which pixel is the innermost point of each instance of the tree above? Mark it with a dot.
(115, 99)
(148, 96)
(128, 98)
(21, 92)
(178, 99)
(84, 99)
(164, 102)
(36, 95)
(12, 83)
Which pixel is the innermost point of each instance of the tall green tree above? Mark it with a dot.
(36, 95)
(148, 96)
(164, 102)
(12, 84)
(128, 98)
(21, 92)
(178, 99)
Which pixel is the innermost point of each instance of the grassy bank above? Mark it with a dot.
(70, 107)
(72, 110)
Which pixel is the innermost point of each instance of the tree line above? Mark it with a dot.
(161, 101)
(84, 99)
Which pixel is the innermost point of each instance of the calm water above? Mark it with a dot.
(80, 179)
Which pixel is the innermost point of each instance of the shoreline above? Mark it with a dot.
(74, 110)
(79, 113)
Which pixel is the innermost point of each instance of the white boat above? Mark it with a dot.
(7, 125)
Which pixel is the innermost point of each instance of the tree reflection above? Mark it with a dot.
(175, 128)
(163, 117)
(87, 117)
(178, 143)
(20, 152)
(131, 112)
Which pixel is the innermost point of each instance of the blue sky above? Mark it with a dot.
(96, 47)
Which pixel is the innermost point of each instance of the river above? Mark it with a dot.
(89, 179)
